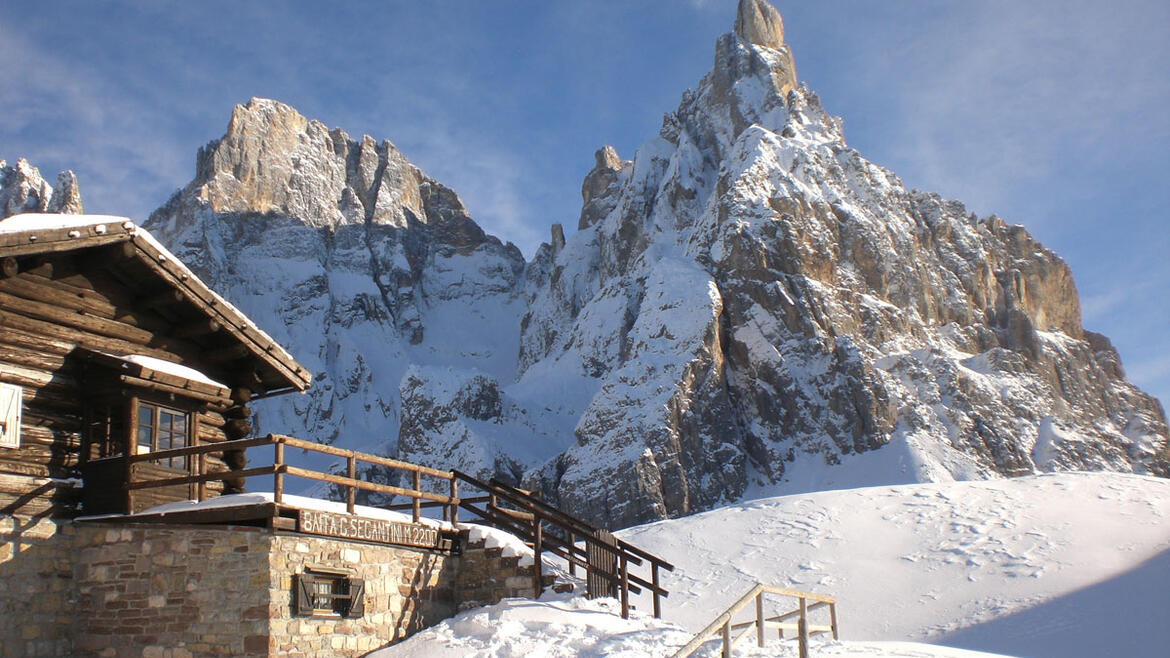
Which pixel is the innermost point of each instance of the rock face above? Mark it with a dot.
(747, 304)
(349, 255)
(23, 190)
(761, 305)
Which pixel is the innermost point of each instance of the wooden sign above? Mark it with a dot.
(347, 526)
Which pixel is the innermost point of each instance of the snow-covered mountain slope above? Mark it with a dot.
(748, 293)
(1056, 565)
(745, 299)
(352, 257)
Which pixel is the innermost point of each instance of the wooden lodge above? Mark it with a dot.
(110, 346)
(124, 386)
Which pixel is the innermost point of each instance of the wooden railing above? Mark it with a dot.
(606, 559)
(279, 469)
(725, 629)
(526, 516)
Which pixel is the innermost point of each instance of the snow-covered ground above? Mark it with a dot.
(1068, 565)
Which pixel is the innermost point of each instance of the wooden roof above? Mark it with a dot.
(23, 235)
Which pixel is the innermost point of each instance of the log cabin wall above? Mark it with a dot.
(55, 309)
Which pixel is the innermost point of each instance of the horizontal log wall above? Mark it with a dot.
(50, 309)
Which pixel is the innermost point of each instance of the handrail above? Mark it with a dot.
(239, 444)
(531, 529)
(722, 623)
(553, 510)
(198, 473)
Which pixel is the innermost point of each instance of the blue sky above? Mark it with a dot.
(1054, 114)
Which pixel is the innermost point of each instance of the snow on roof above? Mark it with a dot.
(169, 368)
(97, 225)
(54, 221)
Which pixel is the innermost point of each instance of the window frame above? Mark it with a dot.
(345, 596)
(138, 404)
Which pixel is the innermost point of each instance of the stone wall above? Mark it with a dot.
(406, 590)
(36, 587)
(173, 591)
(113, 590)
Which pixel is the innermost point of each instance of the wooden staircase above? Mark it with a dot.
(606, 559)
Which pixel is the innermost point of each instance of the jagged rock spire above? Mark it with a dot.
(758, 22)
(22, 189)
(66, 197)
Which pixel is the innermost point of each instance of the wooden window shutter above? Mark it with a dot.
(303, 599)
(357, 598)
(10, 401)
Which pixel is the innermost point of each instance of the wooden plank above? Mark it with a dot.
(32, 358)
(35, 341)
(361, 456)
(798, 594)
(188, 479)
(175, 390)
(18, 467)
(601, 573)
(362, 484)
(81, 337)
(22, 244)
(36, 288)
(93, 323)
(241, 444)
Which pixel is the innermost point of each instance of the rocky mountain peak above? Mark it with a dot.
(22, 189)
(273, 160)
(747, 302)
(758, 22)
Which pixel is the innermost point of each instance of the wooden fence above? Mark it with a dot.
(725, 629)
(279, 469)
(606, 559)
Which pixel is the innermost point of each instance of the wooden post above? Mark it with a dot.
(625, 586)
(657, 599)
(538, 564)
(802, 628)
(572, 547)
(415, 509)
(131, 448)
(192, 466)
(278, 478)
(760, 619)
(351, 473)
(202, 471)
(727, 638)
(833, 619)
(454, 513)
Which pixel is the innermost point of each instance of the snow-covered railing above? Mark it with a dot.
(725, 628)
(605, 558)
(199, 475)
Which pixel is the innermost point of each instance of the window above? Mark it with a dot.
(161, 428)
(320, 593)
